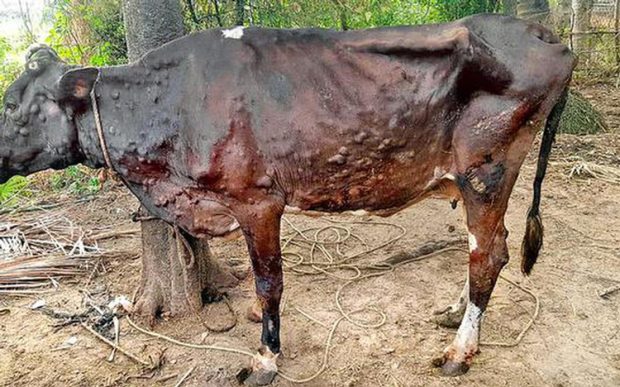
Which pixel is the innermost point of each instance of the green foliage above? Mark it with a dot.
(89, 32)
(10, 190)
(76, 180)
(456, 9)
(9, 68)
(337, 14)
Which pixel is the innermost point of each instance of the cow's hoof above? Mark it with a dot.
(255, 312)
(263, 369)
(449, 317)
(453, 368)
(450, 367)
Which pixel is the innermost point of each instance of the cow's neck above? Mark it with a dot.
(137, 119)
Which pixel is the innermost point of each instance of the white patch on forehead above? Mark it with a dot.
(473, 243)
(233, 33)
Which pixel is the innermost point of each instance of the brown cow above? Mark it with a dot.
(225, 128)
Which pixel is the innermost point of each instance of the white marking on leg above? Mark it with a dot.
(473, 243)
(233, 33)
(466, 340)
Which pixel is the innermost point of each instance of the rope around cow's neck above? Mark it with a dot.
(99, 126)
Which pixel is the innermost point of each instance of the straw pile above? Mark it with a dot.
(577, 167)
(40, 248)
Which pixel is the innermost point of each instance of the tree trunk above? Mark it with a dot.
(582, 11)
(533, 10)
(178, 272)
(510, 7)
(177, 269)
(151, 23)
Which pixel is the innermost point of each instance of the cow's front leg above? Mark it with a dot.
(261, 228)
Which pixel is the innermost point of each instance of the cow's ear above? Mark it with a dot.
(77, 84)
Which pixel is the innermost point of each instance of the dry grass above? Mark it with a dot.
(577, 167)
(41, 248)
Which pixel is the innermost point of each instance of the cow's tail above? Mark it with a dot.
(533, 238)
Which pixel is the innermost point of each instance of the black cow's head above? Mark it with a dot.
(37, 127)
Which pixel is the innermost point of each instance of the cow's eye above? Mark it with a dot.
(10, 107)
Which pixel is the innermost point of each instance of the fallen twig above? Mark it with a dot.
(118, 348)
(185, 376)
(607, 292)
(578, 167)
(167, 377)
(114, 234)
(117, 333)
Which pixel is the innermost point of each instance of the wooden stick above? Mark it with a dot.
(118, 348)
(114, 234)
(607, 292)
(184, 377)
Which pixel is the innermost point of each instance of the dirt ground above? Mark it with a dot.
(575, 340)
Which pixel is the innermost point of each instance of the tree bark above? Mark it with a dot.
(177, 269)
(533, 10)
(151, 23)
(178, 272)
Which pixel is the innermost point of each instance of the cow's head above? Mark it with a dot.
(37, 127)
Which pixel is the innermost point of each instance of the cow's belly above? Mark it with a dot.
(381, 187)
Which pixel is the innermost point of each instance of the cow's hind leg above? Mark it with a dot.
(488, 158)
(488, 254)
(261, 228)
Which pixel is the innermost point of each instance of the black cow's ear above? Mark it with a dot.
(78, 83)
